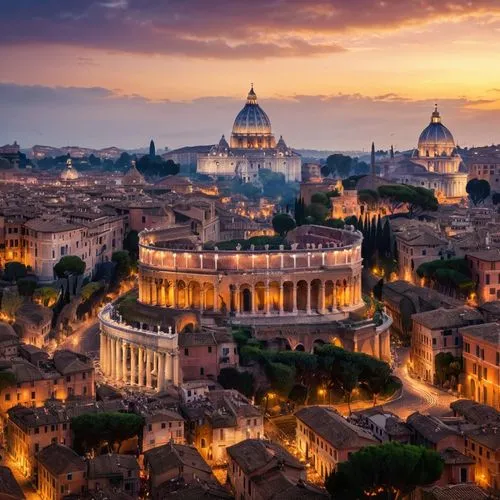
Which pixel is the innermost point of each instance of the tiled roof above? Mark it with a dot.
(455, 492)
(476, 413)
(447, 318)
(253, 454)
(334, 428)
(489, 332)
(59, 459)
(431, 428)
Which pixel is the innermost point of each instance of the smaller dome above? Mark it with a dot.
(69, 173)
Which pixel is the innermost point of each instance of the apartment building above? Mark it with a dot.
(326, 438)
(437, 332)
(485, 271)
(481, 363)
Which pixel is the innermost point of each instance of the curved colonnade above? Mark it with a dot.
(319, 275)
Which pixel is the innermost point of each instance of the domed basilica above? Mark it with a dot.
(252, 147)
(435, 164)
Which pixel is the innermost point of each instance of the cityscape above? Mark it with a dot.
(250, 251)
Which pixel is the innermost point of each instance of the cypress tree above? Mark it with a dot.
(380, 237)
(387, 240)
(152, 149)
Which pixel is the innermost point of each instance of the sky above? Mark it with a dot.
(331, 74)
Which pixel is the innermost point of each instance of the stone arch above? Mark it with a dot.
(336, 342)
(181, 295)
(194, 295)
(288, 296)
(317, 343)
(274, 296)
(279, 344)
(209, 296)
(300, 347)
(302, 291)
(246, 298)
(329, 298)
(260, 296)
(315, 295)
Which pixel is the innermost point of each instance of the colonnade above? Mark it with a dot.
(127, 363)
(266, 296)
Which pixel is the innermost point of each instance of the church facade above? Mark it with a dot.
(435, 164)
(252, 146)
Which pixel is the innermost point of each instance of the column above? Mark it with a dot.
(202, 298)
(102, 351)
(168, 367)
(112, 352)
(308, 297)
(140, 382)
(176, 374)
(282, 299)
(118, 360)
(133, 365)
(294, 298)
(124, 363)
(254, 294)
(322, 308)
(161, 371)
(268, 301)
(174, 295)
(162, 295)
(334, 297)
(149, 354)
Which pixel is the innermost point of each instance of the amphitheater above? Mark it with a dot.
(293, 293)
(317, 274)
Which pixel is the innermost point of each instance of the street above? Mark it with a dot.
(84, 340)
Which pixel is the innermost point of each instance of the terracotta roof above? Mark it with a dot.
(448, 318)
(452, 456)
(455, 492)
(59, 459)
(431, 428)
(9, 488)
(475, 413)
(489, 332)
(67, 361)
(253, 454)
(111, 465)
(334, 428)
(172, 456)
(492, 255)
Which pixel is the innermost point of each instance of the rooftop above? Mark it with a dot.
(476, 413)
(491, 255)
(448, 318)
(429, 427)
(254, 454)
(334, 428)
(488, 332)
(59, 459)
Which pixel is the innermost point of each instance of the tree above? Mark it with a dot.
(46, 296)
(231, 378)
(300, 211)
(337, 163)
(131, 244)
(123, 264)
(369, 197)
(495, 198)
(317, 212)
(123, 162)
(11, 302)
(93, 430)
(478, 190)
(348, 379)
(321, 198)
(389, 471)
(69, 264)
(94, 161)
(157, 167)
(14, 270)
(282, 224)
(26, 287)
(152, 149)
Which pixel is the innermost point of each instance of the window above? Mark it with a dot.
(7, 397)
(498, 359)
(463, 475)
(186, 351)
(202, 371)
(209, 349)
(69, 476)
(163, 425)
(33, 395)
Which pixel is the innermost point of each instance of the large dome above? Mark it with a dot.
(252, 127)
(436, 137)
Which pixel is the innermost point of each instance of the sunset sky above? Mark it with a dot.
(330, 74)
